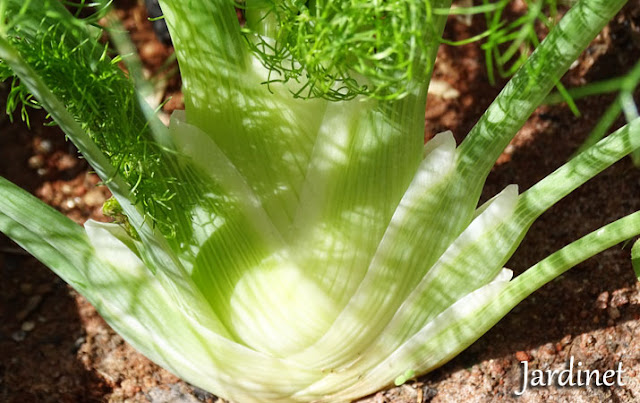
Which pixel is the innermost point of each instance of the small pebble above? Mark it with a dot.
(176, 394)
(19, 335)
(175, 102)
(522, 356)
(79, 190)
(45, 191)
(94, 198)
(43, 146)
(67, 161)
(36, 161)
(66, 188)
(28, 326)
(26, 288)
(69, 204)
(79, 342)
(151, 50)
(603, 300)
(614, 313)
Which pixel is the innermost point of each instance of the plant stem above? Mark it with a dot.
(568, 257)
(468, 330)
(583, 167)
(526, 90)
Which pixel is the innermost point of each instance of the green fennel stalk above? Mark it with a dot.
(290, 237)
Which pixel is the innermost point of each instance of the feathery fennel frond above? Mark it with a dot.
(339, 49)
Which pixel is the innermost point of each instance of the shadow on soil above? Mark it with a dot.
(40, 330)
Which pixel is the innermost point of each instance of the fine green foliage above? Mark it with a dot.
(509, 44)
(342, 48)
(289, 237)
(624, 104)
(68, 57)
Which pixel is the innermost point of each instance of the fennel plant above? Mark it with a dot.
(289, 237)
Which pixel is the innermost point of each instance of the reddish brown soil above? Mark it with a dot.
(55, 348)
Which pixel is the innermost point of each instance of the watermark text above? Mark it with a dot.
(573, 375)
